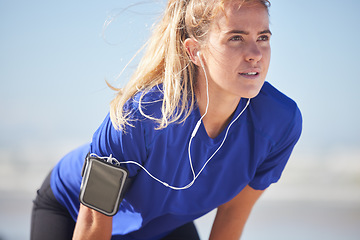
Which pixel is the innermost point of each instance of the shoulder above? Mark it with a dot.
(145, 103)
(272, 99)
(275, 115)
(142, 104)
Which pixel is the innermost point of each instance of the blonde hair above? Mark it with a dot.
(166, 61)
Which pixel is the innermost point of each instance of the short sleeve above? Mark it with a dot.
(270, 170)
(126, 145)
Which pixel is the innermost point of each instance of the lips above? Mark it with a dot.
(250, 73)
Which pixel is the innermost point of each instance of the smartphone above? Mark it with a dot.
(102, 187)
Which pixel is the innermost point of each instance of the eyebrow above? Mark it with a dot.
(267, 31)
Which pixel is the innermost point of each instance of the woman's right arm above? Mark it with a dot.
(92, 225)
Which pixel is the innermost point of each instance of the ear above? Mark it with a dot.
(192, 47)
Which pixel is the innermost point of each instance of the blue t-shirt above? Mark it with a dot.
(255, 153)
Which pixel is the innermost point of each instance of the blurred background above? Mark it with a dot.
(56, 55)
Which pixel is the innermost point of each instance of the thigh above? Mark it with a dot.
(185, 232)
(50, 220)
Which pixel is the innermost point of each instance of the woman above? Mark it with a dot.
(187, 119)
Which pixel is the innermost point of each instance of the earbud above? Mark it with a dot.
(201, 61)
(198, 54)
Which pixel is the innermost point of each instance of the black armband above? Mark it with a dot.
(103, 185)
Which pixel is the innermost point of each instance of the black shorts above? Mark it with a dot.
(50, 220)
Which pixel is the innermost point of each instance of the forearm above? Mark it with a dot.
(227, 225)
(231, 217)
(92, 225)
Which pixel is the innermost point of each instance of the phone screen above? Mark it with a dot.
(102, 186)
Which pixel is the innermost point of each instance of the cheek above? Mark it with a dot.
(225, 59)
(217, 52)
(267, 56)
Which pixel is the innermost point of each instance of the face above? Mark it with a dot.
(237, 52)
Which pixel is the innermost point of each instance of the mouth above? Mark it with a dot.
(249, 74)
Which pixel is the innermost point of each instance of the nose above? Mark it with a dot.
(253, 53)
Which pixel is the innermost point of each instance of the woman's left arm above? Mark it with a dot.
(231, 216)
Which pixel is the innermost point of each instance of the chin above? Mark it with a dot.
(252, 92)
(250, 95)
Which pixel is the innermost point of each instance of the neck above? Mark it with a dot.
(220, 111)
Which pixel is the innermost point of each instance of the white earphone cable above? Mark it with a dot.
(196, 128)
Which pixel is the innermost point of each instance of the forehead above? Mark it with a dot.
(244, 17)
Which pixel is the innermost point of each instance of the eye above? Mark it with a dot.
(264, 38)
(236, 38)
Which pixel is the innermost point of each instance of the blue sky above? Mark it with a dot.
(54, 60)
